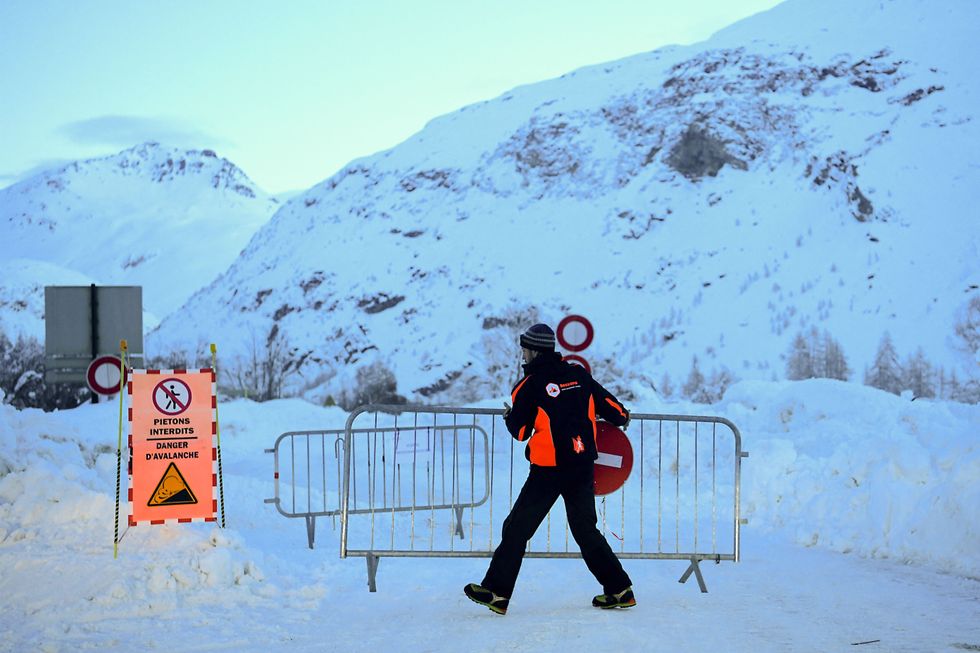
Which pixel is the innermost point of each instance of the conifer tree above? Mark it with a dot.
(695, 382)
(919, 376)
(952, 392)
(721, 379)
(817, 352)
(967, 328)
(885, 373)
(799, 365)
(834, 362)
(816, 356)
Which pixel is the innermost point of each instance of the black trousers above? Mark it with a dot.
(541, 489)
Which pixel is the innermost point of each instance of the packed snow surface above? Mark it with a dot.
(862, 510)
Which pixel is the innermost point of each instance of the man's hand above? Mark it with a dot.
(506, 409)
(629, 416)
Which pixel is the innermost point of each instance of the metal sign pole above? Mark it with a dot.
(94, 321)
(122, 381)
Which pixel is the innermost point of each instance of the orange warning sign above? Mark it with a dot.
(172, 418)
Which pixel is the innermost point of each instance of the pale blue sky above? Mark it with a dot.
(291, 91)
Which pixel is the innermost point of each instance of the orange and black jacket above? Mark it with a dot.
(555, 408)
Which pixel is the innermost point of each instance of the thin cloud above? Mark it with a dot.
(127, 131)
(11, 178)
(107, 134)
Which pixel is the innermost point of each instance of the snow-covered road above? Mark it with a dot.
(781, 597)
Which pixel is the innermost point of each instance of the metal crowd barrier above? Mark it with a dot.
(405, 496)
(305, 488)
(307, 484)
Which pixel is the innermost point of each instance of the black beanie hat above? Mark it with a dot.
(538, 337)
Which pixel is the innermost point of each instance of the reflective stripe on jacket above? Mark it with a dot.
(555, 407)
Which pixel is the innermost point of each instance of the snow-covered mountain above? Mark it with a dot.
(22, 294)
(166, 219)
(808, 166)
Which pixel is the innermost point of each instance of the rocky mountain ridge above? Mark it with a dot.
(804, 168)
(709, 201)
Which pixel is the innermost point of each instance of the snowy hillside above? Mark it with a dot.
(22, 294)
(166, 219)
(834, 469)
(805, 167)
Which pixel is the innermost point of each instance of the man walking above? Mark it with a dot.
(555, 409)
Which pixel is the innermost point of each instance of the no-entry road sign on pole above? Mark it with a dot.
(103, 375)
(578, 360)
(615, 461)
(574, 333)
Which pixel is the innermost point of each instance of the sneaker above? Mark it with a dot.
(624, 599)
(483, 596)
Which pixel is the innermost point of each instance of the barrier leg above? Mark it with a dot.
(310, 529)
(696, 568)
(459, 522)
(372, 569)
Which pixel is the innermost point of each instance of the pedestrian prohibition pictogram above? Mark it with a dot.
(172, 396)
(172, 490)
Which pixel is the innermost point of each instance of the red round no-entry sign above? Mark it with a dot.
(578, 360)
(615, 461)
(103, 375)
(574, 333)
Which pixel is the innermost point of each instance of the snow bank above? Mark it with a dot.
(832, 464)
(859, 470)
(57, 502)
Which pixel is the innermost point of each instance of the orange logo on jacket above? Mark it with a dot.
(577, 444)
(552, 389)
